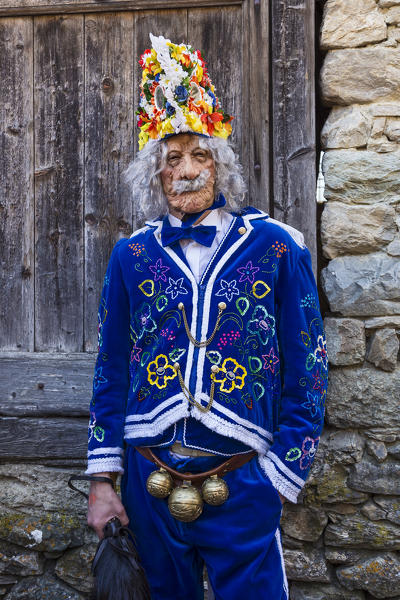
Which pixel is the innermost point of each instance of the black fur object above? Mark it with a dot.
(118, 574)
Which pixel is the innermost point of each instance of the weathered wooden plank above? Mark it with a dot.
(59, 173)
(292, 77)
(16, 184)
(41, 384)
(109, 127)
(257, 106)
(30, 7)
(43, 438)
(217, 33)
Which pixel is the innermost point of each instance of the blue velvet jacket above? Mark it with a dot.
(267, 362)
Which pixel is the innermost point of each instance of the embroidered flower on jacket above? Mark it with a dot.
(248, 272)
(262, 324)
(135, 354)
(99, 378)
(159, 270)
(309, 448)
(228, 289)
(143, 319)
(308, 302)
(318, 382)
(175, 287)
(312, 404)
(270, 360)
(159, 371)
(95, 430)
(320, 352)
(231, 375)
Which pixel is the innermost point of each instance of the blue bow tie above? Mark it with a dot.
(202, 234)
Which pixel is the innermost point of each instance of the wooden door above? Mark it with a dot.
(69, 72)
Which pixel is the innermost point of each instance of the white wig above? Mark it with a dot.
(143, 176)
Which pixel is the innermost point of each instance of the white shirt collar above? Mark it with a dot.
(214, 218)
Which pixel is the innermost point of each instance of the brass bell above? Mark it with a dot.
(185, 502)
(214, 490)
(159, 483)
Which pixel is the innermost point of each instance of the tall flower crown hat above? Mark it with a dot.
(176, 94)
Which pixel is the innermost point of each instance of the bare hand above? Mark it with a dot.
(104, 504)
(283, 499)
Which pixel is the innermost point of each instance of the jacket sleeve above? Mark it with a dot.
(111, 373)
(304, 376)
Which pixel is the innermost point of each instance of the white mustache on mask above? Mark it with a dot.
(191, 185)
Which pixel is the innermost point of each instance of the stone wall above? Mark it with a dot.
(343, 541)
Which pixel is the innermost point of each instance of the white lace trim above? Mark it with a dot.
(149, 416)
(103, 465)
(295, 478)
(158, 426)
(285, 487)
(232, 430)
(295, 234)
(279, 544)
(116, 450)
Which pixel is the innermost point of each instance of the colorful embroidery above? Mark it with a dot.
(293, 454)
(258, 293)
(159, 371)
(242, 304)
(309, 301)
(228, 289)
(312, 404)
(159, 270)
(99, 378)
(135, 354)
(248, 272)
(228, 339)
(175, 287)
(95, 430)
(147, 287)
(309, 448)
(280, 249)
(137, 249)
(320, 353)
(214, 357)
(270, 360)
(231, 375)
(144, 321)
(262, 324)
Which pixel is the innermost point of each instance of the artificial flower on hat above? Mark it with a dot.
(177, 95)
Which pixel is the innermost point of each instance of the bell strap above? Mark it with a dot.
(87, 478)
(236, 461)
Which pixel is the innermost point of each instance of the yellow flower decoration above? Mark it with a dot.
(231, 375)
(159, 372)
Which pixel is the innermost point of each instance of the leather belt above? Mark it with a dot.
(183, 451)
(197, 479)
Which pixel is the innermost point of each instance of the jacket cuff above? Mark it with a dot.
(104, 460)
(285, 481)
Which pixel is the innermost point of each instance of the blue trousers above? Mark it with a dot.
(238, 541)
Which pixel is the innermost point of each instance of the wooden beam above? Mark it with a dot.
(40, 7)
(43, 438)
(46, 385)
(293, 109)
(16, 185)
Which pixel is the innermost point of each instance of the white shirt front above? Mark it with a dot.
(197, 255)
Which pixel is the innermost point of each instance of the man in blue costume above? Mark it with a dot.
(212, 358)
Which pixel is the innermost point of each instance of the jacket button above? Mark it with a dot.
(242, 230)
(221, 305)
(180, 305)
(176, 366)
(215, 369)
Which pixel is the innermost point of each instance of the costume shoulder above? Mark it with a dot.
(284, 233)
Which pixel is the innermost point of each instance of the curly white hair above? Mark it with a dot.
(143, 176)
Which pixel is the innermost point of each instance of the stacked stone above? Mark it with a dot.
(346, 535)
